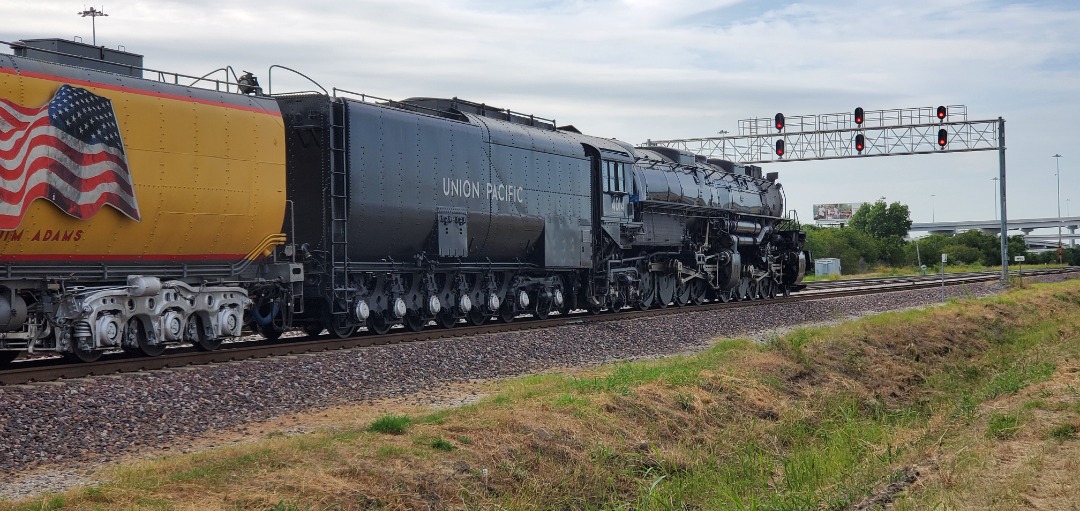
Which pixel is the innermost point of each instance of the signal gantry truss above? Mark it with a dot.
(892, 132)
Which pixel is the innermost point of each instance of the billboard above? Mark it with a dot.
(837, 212)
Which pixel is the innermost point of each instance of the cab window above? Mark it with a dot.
(613, 177)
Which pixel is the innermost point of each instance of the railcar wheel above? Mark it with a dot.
(6, 357)
(413, 322)
(476, 317)
(195, 333)
(378, 324)
(79, 355)
(136, 334)
(665, 290)
(594, 308)
(445, 319)
(312, 329)
(698, 291)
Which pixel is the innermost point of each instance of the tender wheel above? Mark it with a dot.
(312, 329)
(135, 334)
(271, 331)
(445, 319)
(6, 357)
(196, 334)
(506, 315)
(476, 317)
(378, 324)
(542, 311)
(414, 322)
(594, 308)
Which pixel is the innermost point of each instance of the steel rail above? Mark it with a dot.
(49, 370)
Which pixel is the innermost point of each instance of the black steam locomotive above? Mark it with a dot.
(447, 210)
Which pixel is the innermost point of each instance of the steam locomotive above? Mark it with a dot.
(137, 214)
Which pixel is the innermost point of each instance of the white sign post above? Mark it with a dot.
(944, 258)
(1020, 261)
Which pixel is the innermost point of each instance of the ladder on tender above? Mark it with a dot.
(339, 209)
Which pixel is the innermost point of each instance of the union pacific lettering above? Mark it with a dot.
(476, 189)
(42, 235)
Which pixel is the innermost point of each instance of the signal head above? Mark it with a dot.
(859, 116)
(942, 138)
(780, 148)
(860, 143)
(941, 112)
(779, 122)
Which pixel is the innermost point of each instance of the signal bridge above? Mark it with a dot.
(895, 132)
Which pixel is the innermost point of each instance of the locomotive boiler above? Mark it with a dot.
(184, 214)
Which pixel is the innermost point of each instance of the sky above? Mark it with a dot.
(637, 70)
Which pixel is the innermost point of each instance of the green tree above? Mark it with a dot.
(882, 221)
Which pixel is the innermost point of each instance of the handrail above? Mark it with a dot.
(270, 79)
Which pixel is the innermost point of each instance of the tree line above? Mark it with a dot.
(875, 237)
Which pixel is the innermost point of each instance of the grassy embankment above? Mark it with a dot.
(975, 404)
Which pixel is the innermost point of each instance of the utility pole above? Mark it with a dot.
(1057, 172)
(93, 14)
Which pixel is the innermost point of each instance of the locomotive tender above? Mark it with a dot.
(136, 214)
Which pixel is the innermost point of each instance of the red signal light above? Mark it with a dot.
(859, 116)
(779, 122)
(780, 148)
(941, 111)
(942, 137)
(860, 143)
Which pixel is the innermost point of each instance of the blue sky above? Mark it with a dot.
(650, 69)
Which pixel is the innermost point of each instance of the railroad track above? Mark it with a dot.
(55, 368)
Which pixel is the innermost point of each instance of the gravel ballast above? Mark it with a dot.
(53, 434)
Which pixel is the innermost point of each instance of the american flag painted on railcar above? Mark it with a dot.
(68, 152)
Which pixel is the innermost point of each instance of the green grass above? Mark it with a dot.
(1064, 432)
(391, 424)
(1002, 426)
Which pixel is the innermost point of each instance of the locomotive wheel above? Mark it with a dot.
(79, 355)
(6, 357)
(754, 292)
(136, 334)
(768, 288)
(682, 295)
(196, 334)
(476, 317)
(594, 308)
(698, 291)
(647, 290)
(445, 319)
(378, 324)
(665, 290)
(312, 329)
(414, 322)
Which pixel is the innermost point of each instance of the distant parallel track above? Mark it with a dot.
(51, 369)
